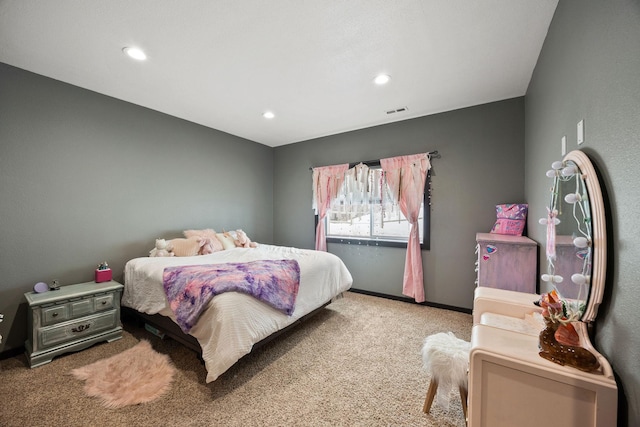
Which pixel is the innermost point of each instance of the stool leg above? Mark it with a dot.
(463, 397)
(431, 393)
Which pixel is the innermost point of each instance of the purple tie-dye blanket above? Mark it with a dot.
(189, 288)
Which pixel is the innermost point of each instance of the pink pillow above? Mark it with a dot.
(207, 233)
(185, 247)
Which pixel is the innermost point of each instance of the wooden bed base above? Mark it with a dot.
(171, 329)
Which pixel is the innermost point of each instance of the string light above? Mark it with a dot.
(552, 278)
(581, 242)
(579, 279)
(545, 221)
(573, 198)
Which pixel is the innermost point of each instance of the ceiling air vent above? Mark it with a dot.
(397, 110)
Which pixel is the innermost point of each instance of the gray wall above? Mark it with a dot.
(589, 69)
(482, 165)
(86, 178)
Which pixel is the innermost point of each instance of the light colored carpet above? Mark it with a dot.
(357, 363)
(137, 375)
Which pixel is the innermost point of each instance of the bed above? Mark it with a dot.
(233, 322)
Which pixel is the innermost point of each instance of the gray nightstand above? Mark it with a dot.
(71, 319)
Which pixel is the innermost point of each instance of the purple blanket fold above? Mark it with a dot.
(189, 288)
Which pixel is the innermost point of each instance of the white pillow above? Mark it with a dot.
(227, 241)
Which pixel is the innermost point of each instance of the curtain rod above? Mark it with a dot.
(432, 155)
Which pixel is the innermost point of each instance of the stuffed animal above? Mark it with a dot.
(163, 248)
(243, 241)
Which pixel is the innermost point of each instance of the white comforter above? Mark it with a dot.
(234, 322)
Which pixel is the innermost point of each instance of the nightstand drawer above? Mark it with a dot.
(81, 307)
(55, 314)
(69, 331)
(103, 302)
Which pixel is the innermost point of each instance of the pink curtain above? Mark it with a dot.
(326, 183)
(406, 176)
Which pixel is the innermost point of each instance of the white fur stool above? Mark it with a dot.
(446, 358)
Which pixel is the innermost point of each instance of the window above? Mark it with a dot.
(365, 214)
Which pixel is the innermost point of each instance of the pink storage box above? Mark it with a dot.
(103, 275)
(512, 211)
(512, 227)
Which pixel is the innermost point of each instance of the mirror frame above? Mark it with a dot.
(599, 233)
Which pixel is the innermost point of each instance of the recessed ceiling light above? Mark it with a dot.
(382, 79)
(135, 53)
(268, 115)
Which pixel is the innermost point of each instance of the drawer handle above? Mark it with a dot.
(55, 314)
(81, 328)
(104, 302)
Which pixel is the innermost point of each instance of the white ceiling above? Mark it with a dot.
(223, 63)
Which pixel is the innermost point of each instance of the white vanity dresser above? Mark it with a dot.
(510, 383)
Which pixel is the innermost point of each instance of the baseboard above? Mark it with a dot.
(411, 301)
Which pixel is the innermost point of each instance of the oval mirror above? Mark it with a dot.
(576, 249)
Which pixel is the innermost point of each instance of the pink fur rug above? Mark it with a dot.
(137, 375)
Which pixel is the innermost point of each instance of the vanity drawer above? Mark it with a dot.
(55, 314)
(73, 330)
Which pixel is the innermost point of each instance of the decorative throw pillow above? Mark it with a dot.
(209, 235)
(186, 247)
(226, 240)
(207, 232)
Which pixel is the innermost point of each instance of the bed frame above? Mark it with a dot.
(164, 325)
